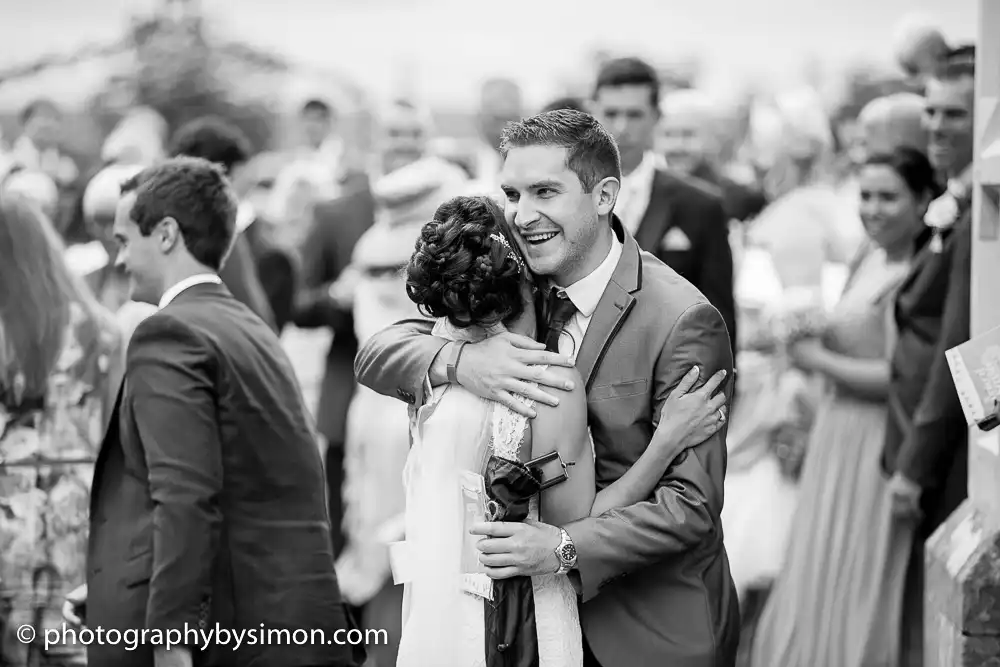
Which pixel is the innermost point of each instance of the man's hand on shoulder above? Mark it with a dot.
(507, 364)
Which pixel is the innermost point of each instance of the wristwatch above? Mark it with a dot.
(565, 553)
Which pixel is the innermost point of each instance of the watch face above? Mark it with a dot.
(568, 552)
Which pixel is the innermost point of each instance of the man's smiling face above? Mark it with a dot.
(555, 219)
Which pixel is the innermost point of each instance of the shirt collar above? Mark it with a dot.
(190, 281)
(586, 293)
(643, 173)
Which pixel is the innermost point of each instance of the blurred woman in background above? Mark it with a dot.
(788, 246)
(838, 599)
(60, 364)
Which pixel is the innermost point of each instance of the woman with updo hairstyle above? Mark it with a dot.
(466, 452)
(838, 599)
(467, 271)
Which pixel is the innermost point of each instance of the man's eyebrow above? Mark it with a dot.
(545, 184)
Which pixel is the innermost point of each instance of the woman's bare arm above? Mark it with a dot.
(564, 428)
(638, 482)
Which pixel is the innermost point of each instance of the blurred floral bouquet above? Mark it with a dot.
(772, 317)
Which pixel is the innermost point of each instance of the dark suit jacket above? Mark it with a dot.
(692, 207)
(738, 201)
(655, 576)
(336, 228)
(926, 435)
(277, 269)
(208, 502)
(239, 273)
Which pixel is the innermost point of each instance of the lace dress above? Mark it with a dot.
(443, 625)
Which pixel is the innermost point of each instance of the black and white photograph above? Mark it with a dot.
(548, 333)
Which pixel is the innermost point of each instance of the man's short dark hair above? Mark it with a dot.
(213, 139)
(317, 107)
(195, 193)
(960, 63)
(574, 103)
(591, 153)
(629, 72)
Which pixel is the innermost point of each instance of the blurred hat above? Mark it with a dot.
(105, 189)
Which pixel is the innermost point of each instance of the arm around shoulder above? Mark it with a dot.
(396, 360)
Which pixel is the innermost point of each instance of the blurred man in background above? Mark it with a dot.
(678, 219)
(221, 143)
(500, 102)
(688, 138)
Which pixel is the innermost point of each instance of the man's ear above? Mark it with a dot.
(168, 234)
(606, 194)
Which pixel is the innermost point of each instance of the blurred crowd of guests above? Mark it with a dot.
(840, 285)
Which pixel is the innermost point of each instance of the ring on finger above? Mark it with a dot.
(722, 414)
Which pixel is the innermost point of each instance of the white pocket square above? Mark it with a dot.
(676, 240)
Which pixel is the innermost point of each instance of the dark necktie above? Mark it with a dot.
(560, 309)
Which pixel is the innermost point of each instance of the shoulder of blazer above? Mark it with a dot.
(688, 189)
(662, 285)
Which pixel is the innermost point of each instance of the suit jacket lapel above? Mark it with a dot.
(658, 216)
(615, 304)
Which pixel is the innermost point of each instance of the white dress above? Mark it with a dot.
(442, 624)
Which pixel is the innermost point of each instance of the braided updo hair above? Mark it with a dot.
(464, 267)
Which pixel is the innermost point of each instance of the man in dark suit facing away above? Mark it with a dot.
(679, 219)
(208, 505)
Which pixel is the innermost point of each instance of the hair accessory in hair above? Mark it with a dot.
(502, 241)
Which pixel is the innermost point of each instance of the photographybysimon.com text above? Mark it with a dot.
(131, 639)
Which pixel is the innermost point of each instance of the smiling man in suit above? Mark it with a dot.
(679, 219)
(208, 505)
(653, 576)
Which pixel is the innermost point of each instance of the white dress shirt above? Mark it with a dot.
(636, 190)
(190, 281)
(585, 294)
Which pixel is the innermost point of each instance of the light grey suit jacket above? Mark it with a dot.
(655, 577)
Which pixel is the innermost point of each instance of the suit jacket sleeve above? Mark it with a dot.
(173, 398)
(239, 273)
(938, 422)
(683, 513)
(396, 360)
(320, 267)
(715, 279)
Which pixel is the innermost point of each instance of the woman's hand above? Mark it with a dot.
(692, 417)
(808, 354)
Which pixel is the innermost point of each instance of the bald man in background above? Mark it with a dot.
(687, 137)
(109, 284)
(892, 121)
